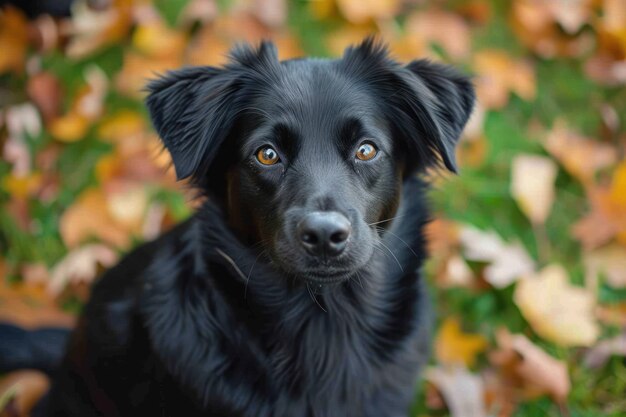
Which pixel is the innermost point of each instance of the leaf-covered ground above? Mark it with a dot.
(528, 266)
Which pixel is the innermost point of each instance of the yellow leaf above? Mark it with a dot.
(452, 346)
(157, 40)
(22, 186)
(557, 310)
(532, 186)
(69, 128)
(121, 126)
(617, 194)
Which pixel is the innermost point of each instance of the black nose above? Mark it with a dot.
(324, 233)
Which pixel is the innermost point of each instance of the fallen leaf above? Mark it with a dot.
(498, 74)
(71, 127)
(456, 274)
(30, 306)
(552, 28)
(523, 363)
(138, 69)
(598, 355)
(445, 29)
(609, 260)
(80, 266)
(13, 39)
(155, 39)
(607, 218)
(78, 223)
(462, 391)
(45, 91)
(91, 29)
(557, 310)
(532, 185)
(454, 347)
(608, 65)
(580, 156)
(363, 11)
(25, 389)
(507, 261)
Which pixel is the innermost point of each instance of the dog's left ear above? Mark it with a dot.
(447, 105)
(426, 104)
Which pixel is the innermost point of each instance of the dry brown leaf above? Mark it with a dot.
(89, 218)
(507, 261)
(525, 365)
(447, 30)
(25, 389)
(80, 266)
(582, 157)
(462, 391)
(551, 28)
(610, 261)
(138, 69)
(608, 64)
(532, 185)
(607, 218)
(454, 347)
(498, 75)
(13, 39)
(556, 310)
(29, 305)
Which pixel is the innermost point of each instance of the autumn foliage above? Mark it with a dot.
(528, 248)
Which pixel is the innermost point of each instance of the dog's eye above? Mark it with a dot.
(366, 151)
(267, 155)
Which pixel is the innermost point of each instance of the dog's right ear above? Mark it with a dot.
(193, 109)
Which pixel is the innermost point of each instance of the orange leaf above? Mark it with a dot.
(89, 217)
(453, 347)
(499, 74)
(363, 11)
(13, 39)
(29, 305)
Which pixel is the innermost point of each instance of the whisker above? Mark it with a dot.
(231, 262)
(245, 290)
(314, 298)
(386, 220)
(392, 254)
(397, 237)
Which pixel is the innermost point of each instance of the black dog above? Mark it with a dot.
(295, 290)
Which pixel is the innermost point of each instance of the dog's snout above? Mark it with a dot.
(324, 233)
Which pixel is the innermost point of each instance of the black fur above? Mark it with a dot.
(227, 315)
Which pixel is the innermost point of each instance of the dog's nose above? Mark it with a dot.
(324, 232)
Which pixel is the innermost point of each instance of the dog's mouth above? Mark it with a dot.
(322, 277)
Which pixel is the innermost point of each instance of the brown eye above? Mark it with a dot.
(366, 151)
(267, 155)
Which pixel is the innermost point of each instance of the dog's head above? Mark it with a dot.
(309, 155)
